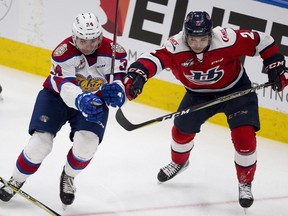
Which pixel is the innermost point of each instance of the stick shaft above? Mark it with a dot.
(30, 198)
(126, 124)
(114, 42)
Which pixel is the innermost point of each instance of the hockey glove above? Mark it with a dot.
(114, 93)
(91, 106)
(277, 71)
(134, 82)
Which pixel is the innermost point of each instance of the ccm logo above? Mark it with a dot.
(274, 65)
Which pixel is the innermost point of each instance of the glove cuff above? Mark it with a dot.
(140, 69)
(274, 61)
(139, 72)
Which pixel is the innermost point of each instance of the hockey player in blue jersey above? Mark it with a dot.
(77, 91)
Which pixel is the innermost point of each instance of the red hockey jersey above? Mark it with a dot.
(219, 68)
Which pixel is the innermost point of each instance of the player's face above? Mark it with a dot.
(198, 44)
(88, 47)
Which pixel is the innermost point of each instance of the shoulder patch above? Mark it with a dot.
(119, 48)
(176, 44)
(60, 50)
(224, 35)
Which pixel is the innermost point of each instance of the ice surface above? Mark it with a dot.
(121, 179)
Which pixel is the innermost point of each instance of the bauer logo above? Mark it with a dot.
(110, 9)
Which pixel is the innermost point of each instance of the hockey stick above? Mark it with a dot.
(114, 43)
(30, 198)
(126, 124)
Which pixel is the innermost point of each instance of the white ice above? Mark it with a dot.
(121, 179)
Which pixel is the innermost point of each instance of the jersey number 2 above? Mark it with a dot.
(247, 34)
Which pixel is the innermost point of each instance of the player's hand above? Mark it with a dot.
(281, 81)
(134, 82)
(277, 71)
(114, 93)
(91, 106)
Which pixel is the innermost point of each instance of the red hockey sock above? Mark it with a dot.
(244, 139)
(181, 146)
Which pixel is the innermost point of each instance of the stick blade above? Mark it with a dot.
(123, 121)
(127, 125)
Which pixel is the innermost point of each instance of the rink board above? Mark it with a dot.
(157, 93)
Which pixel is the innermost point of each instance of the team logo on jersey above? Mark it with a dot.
(60, 50)
(89, 84)
(205, 78)
(81, 65)
(119, 48)
(188, 63)
(224, 35)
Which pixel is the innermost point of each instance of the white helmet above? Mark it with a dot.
(86, 26)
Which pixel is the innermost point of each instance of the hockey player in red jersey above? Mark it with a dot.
(77, 91)
(206, 61)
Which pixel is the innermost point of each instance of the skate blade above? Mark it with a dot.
(245, 211)
(64, 206)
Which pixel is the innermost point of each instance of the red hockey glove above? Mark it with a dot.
(134, 82)
(277, 71)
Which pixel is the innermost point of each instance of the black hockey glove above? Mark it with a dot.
(277, 71)
(134, 82)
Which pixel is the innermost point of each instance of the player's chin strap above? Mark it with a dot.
(126, 124)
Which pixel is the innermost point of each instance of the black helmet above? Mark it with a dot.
(197, 23)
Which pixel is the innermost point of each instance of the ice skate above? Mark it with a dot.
(67, 189)
(169, 171)
(6, 193)
(245, 196)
